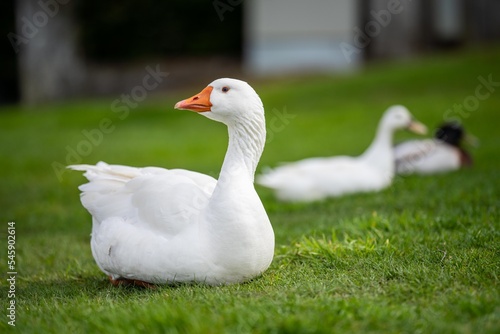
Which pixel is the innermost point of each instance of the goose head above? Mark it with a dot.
(451, 133)
(398, 117)
(225, 100)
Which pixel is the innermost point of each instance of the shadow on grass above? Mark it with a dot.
(97, 288)
(77, 288)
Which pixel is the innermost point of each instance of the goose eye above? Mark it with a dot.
(225, 89)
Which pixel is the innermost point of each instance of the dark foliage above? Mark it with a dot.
(126, 30)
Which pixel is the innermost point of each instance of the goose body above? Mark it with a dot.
(159, 225)
(317, 178)
(443, 153)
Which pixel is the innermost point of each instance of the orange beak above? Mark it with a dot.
(199, 103)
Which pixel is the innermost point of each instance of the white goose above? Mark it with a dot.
(441, 154)
(317, 178)
(154, 225)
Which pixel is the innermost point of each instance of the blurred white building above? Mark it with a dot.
(295, 35)
(287, 36)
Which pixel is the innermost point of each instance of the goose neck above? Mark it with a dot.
(379, 153)
(246, 144)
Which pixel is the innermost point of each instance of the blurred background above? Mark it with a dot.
(60, 49)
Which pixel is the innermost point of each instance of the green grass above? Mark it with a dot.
(420, 257)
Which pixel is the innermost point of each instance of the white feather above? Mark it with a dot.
(162, 226)
(317, 178)
(426, 157)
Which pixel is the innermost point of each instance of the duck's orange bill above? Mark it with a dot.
(199, 102)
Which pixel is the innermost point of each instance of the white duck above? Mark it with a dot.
(441, 154)
(155, 225)
(317, 178)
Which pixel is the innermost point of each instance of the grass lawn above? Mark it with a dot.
(420, 257)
